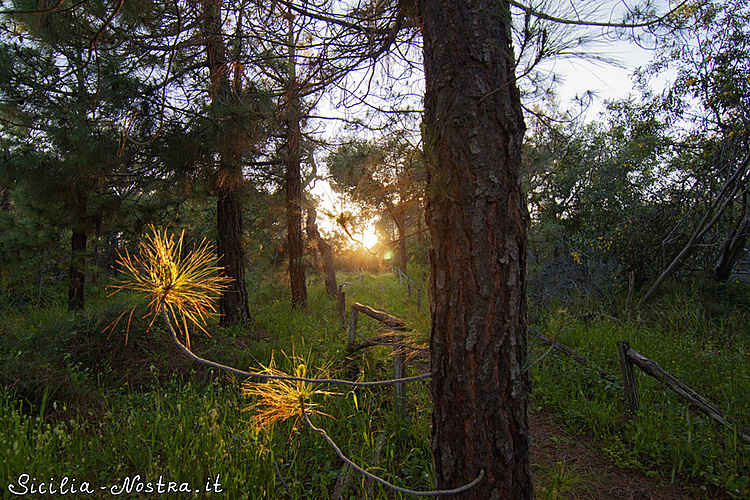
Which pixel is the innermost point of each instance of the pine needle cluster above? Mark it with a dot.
(185, 282)
(279, 400)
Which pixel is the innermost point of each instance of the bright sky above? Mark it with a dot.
(606, 81)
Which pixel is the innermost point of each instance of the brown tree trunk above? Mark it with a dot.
(76, 299)
(326, 254)
(233, 304)
(403, 254)
(398, 214)
(734, 246)
(293, 178)
(230, 246)
(476, 214)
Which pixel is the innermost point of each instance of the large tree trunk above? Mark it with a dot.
(293, 179)
(233, 305)
(76, 299)
(476, 214)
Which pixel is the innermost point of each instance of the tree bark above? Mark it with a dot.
(76, 298)
(233, 306)
(398, 214)
(293, 180)
(477, 218)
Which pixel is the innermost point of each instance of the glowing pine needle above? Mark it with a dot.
(279, 400)
(187, 284)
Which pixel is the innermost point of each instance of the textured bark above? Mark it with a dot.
(476, 214)
(398, 214)
(233, 305)
(230, 245)
(293, 184)
(293, 178)
(76, 298)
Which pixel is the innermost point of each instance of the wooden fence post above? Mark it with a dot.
(399, 359)
(399, 390)
(628, 377)
(342, 303)
(353, 327)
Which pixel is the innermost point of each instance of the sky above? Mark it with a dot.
(606, 81)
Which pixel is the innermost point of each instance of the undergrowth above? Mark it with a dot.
(81, 403)
(690, 333)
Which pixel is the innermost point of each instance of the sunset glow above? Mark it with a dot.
(369, 237)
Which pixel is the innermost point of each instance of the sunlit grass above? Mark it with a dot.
(185, 282)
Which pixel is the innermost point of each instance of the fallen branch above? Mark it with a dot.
(578, 357)
(381, 316)
(264, 376)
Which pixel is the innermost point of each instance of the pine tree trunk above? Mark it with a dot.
(293, 178)
(76, 299)
(293, 183)
(476, 214)
(233, 305)
(403, 254)
(326, 254)
(398, 214)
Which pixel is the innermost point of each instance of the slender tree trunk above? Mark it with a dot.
(329, 270)
(477, 218)
(734, 246)
(403, 254)
(293, 184)
(293, 180)
(233, 305)
(76, 299)
(398, 214)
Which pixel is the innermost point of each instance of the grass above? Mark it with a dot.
(120, 410)
(82, 403)
(705, 348)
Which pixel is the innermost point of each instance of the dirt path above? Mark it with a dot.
(572, 467)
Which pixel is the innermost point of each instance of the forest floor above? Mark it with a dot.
(573, 467)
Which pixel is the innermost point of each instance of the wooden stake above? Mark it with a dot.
(628, 377)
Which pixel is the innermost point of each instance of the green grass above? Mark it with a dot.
(82, 403)
(707, 349)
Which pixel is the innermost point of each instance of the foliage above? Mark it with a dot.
(598, 192)
(279, 400)
(185, 282)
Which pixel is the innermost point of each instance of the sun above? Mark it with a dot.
(369, 237)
